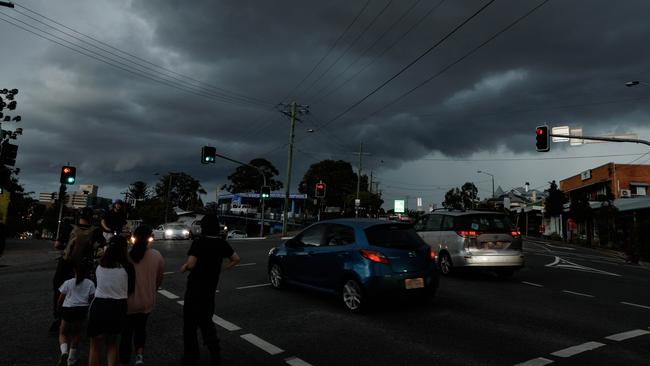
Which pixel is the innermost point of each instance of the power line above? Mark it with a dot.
(120, 65)
(340, 37)
(457, 61)
(410, 64)
(208, 85)
(359, 36)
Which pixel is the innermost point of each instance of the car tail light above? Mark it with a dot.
(467, 233)
(432, 255)
(374, 256)
(515, 233)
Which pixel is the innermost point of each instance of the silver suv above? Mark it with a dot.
(464, 239)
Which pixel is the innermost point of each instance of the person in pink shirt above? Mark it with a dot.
(149, 265)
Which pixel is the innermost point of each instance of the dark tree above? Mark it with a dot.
(139, 191)
(555, 200)
(465, 197)
(184, 191)
(339, 178)
(248, 179)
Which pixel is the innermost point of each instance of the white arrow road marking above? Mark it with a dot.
(565, 264)
(572, 351)
(627, 335)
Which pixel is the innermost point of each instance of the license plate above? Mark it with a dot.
(412, 283)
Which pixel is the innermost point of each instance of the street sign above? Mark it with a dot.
(560, 130)
(399, 206)
(576, 132)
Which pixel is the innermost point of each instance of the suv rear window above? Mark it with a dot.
(393, 236)
(486, 223)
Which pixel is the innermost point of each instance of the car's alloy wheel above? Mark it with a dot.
(275, 276)
(445, 264)
(353, 295)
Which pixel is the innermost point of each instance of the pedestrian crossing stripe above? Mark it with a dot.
(565, 264)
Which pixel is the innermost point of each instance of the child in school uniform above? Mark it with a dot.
(76, 294)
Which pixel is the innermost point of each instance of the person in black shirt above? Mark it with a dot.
(204, 262)
(114, 220)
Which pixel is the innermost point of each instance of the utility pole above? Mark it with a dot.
(294, 109)
(357, 200)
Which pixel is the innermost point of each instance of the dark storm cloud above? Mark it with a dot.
(555, 66)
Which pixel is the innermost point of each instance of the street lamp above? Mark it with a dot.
(482, 172)
(635, 83)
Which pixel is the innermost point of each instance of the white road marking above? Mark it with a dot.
(167, 273)
(540, 361)
(253, 286)
(565, 264)
(637, 305)
(167, 294)
(262, 344)
(559, 247)
(295, 361)
(181, 302)
(286, 237)
(572, 351)
(224, 323)
(532, 284)
(577, 293)
(627, 335)
(245, 264)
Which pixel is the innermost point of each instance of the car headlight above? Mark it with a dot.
(186, 232)
(169, 232)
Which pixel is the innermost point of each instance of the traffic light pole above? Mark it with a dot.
(262, 201)
(285, 210)
(62, 191)
(597, 138)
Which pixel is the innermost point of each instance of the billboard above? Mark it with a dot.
(399, 206)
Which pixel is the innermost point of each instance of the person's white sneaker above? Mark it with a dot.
(139, 359)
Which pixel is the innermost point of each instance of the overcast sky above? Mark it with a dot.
(119, 118)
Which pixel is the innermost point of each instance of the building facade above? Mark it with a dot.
(622, 180)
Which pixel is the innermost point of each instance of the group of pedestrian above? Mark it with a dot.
(118, 302)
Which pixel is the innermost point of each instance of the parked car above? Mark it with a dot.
(236, 234)
(242, 209)
(195, 228)
(172, 231)
(357, 259)
(473, 239)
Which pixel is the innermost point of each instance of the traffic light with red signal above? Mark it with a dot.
(68, 174)
(542, 137)
(320, 190)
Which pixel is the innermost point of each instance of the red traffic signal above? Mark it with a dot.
(68, 174)
(542, 139)
(320, 190)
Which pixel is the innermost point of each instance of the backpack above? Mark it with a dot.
(80, 244)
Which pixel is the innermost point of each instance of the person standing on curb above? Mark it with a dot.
(204, 262)
(149, 265)
(107, 314)
(114, 220)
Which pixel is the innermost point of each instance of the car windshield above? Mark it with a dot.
(486, 223)
(393, 236)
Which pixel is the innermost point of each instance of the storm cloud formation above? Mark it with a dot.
(566, 62)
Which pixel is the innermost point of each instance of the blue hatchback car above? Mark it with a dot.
(357, 259)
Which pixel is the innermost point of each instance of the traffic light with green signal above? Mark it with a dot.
(68, 174)
(208, 154)
(542, 137)
(265, 192)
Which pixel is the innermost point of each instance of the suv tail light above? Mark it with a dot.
(432, 255)
(467, 233)
(515, 233)
(374, 256)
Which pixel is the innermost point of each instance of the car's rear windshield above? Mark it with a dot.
(490, 223)
(398, 236)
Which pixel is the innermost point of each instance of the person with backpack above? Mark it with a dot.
(107, 313)
(204, 262)
(149, 266)
(78, 243)
(76, 294)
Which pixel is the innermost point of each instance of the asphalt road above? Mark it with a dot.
(568, 306)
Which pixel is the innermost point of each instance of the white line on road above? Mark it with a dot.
(565, 264)
(577, 293)
(167, 294)
(295, 361)
(540, 361)
(253, 286)
(627, 335)
(167, 273)
(572, 351)
(286, 237)
(260, 343)
(636, 305)
(224, 323)
(559, 247)
(245, 264)
(181, 302)
(532, 284)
